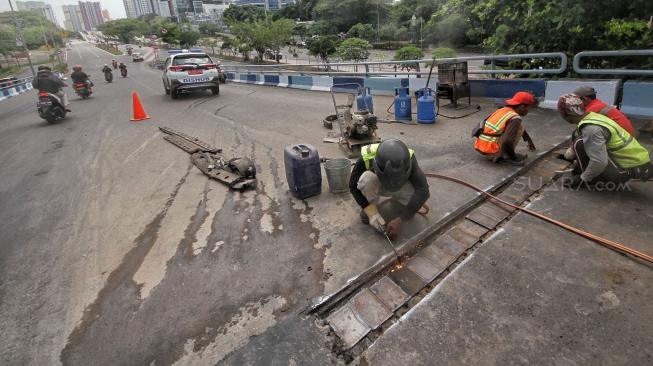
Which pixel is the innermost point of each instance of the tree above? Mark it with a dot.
(345, 13)
(209, 42)
(262, 35)
(443, 52)
(363, 31)
(209, 29)
(409, 53)
(354, 49)
(188, 38)
(243, 13)
(322, 47)
(280, 35)
(125, 29)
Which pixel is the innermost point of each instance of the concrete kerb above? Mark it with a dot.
(412, 245)
(637, 99)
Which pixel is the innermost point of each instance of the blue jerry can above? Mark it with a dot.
(303, 171)
(402, 104)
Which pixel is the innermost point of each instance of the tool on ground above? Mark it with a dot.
(603, 241)
(393, 248)
(236, 173)
(356, 128)
(138, 111)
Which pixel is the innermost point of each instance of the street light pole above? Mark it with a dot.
(21, 40)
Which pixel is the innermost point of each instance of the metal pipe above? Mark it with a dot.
(583, 71)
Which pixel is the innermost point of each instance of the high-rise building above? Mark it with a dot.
(73, 18)
(130, 8)
(265, 4)
(105, 15)
(43, 9)
(91, 14)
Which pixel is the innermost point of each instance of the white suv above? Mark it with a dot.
(190, 71)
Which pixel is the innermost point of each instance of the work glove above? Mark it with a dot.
(393, 228)
(376, 220)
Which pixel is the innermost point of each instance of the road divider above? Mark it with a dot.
(13, 88)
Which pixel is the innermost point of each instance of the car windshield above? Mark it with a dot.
(191, 59)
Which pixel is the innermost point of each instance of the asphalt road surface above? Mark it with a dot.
(115, 250)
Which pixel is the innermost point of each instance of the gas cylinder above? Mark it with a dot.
(303, 171)
(364, 100)
(426, 106)
(402, 104)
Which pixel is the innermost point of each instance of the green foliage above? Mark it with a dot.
(62, 67)
(323, 28)
(243, 13)
(638, 34)
(35, 28)
(354, 49)
(322, 47)
(451, 31)
(262, 35)
(343, 14)
(125, 29)
(188, 38)
(363, 31)
(443, 52)
(409, 53)
(209, 29)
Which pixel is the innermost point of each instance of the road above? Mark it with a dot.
(103, 223)
(116, 250)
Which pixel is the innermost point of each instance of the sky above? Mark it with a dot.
(115, 7)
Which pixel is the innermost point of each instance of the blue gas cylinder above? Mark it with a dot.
(364, 100)
(402, 104)
(303, 171)
(426, 106)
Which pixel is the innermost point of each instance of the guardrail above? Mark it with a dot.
(334, 68)
(584, 71)
(15, 82)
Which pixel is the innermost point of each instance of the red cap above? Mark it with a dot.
(522, 97)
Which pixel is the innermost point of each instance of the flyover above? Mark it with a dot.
(116, 250)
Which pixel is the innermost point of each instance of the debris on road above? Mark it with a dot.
(236, 173)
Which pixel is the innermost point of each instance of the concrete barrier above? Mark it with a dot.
(300, 82)
(637, 99)
(606, 90)
(504, 89)
(383, 86)
(15, 90)
(322, 83)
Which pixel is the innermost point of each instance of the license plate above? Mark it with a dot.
(195, 72)
(195, 80)
(45, 103)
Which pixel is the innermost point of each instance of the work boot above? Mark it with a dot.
(520, 160)
(364, 219)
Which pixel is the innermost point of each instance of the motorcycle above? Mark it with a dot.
(50, 107)
(108, 76)
(123, 72)
(81, 89)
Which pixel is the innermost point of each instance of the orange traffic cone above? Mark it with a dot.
(139, 113)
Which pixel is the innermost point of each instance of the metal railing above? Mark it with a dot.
(16, 82)
(334, 68)
(584, 71)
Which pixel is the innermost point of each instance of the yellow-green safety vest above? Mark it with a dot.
(368, 152)
(622, 147)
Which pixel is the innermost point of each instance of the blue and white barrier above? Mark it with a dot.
(637, 97)
(12, 91)
(606, 90)
(637, 100)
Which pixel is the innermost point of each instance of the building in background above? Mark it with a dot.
(265, 4)
(105, 15)
(91, 14)
(40, 7)
(73, 18)
(137, 8)
(130, 8)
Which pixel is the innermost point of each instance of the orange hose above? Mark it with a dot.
(603, 241)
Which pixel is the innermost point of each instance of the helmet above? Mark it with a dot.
(77, 68)
(106, 65)
(44, 67)
(392, 164)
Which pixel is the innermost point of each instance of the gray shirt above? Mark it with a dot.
(595, 140)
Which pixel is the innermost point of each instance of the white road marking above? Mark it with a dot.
(140, 148)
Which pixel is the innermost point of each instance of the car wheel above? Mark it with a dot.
(174, 94)
(166, 89)
(215, 90)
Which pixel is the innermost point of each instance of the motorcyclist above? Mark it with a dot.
(114, 63)
(106, 69)
(80, 76)
(48, 82)
(123, 68)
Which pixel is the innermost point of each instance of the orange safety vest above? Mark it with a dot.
(493, 127)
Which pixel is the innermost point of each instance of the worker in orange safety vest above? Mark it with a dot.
(498, 135)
